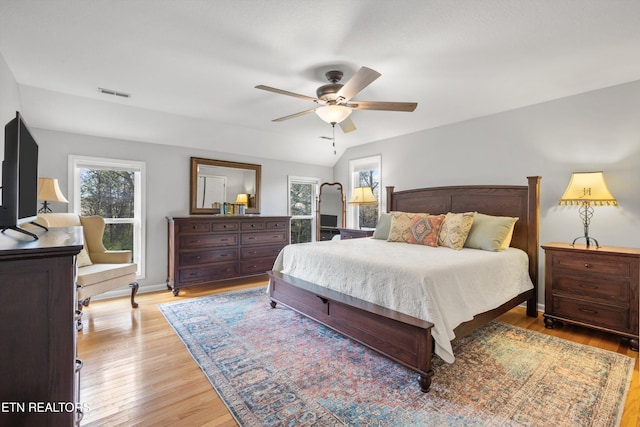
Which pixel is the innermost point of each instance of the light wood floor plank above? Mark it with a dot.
(137, 371)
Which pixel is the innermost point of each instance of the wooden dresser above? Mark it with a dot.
(593, 287)
(39, 368)
(210, 249)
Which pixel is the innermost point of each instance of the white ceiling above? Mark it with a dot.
(191, 65)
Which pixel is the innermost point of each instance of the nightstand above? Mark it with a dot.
(354, 233)
(593, 287)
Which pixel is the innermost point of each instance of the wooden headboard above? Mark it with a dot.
(502, 200)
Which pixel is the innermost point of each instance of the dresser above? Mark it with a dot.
(39, 368)
(593, 287)
(212, 249)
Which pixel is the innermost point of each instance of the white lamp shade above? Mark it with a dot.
(363, 196)
(333, 114)
(49, 190)
(587, 188)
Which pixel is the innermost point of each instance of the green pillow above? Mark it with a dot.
(490, 233)
(383, 227)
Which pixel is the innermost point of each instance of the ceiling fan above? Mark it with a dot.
(335, 99)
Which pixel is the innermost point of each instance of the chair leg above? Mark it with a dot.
(134, 290)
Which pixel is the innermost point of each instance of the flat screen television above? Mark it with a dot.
(328, 220)
(19, 177)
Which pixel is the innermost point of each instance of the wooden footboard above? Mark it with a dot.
(404, 339)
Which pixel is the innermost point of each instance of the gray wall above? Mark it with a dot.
(598, 130)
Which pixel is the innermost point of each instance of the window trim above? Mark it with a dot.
(355, 166)
(76, 162)
(314, 212)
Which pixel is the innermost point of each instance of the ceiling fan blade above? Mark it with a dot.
(347, 125)
(363, 78)
(286, 92)
(385, 106)
(293, 116)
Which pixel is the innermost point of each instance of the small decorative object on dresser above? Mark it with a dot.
(593, 287)
(209, 249)
(354, 233)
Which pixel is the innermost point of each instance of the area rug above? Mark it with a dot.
(274, 367)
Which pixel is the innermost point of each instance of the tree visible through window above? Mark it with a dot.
(109, 194)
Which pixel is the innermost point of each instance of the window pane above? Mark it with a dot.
(301, 229)
(301, 199)
(108, 193)
(368, 215)
(118, 237)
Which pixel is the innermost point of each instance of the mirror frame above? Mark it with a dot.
(197, 161)
(344, 206)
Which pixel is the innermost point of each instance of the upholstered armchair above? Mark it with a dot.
(99, 270)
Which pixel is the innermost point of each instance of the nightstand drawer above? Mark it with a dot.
(592, 313)
(606, 290)
(593, 265)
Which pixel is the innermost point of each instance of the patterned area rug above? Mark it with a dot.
(274, 367)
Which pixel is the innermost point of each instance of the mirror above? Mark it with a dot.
(216, 182)
(331, 215)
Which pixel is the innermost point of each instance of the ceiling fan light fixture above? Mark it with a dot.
(333, 114)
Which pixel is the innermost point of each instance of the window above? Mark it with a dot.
(112, 189)
(302, 201)
(365, 172)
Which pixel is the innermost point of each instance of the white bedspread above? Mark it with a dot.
(437, 284)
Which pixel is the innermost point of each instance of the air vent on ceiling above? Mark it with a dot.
(114, 92)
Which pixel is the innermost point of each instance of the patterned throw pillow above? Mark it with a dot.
(416, 228)
(455, 229)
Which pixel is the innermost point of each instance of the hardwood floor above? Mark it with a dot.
(137, 371)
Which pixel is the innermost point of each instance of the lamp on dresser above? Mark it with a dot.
(587, 189)
(49, 191)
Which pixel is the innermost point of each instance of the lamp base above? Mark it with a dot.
(588, 240)
(45, 208)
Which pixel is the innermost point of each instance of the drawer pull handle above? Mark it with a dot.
(196, 257)
(224, 240)
(582, 285)
(587, 311)
(587, 265)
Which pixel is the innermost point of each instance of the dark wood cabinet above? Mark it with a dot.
(354, 233)
(593, 287)
(39, 368)
(211, 249)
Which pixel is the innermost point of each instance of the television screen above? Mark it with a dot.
(19, 175)
(328, 220)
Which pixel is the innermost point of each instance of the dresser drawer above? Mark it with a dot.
(205, 257)
(605, 289)
(222, 226)
(608, 316)
(257, 266)
(278, 225)
(253, 225)
(264, 238)
(208, 240)
(210, 272)
(193, 226)
(593, 265)
(261, 252)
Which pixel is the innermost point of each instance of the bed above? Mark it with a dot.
(407, 335)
